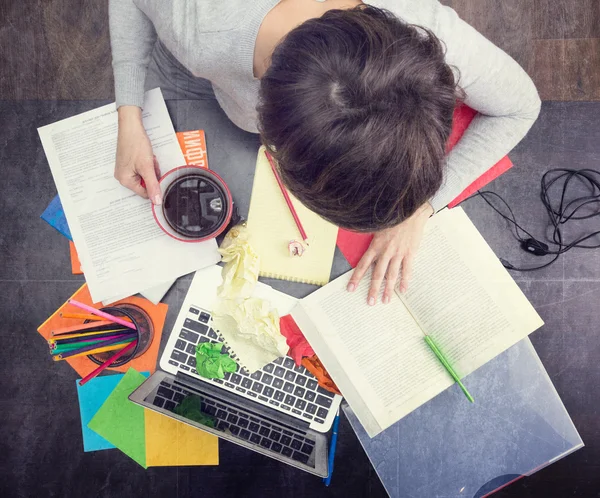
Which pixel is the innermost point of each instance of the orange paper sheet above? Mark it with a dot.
(81, 364)
(193, 146)
(75, 264)
(170, 443)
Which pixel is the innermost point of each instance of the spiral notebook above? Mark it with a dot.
(272, 227)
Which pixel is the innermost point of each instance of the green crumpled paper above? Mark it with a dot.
(191, 408)
(242, 265)
(211, 363)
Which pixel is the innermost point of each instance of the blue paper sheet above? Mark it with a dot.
(55, 217)
(92, 396)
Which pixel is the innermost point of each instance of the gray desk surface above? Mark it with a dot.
(38, 408)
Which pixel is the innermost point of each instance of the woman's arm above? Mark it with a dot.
(495, 86)
(132, 38)
(508, 104)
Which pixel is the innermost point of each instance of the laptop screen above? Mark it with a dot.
(237, 421)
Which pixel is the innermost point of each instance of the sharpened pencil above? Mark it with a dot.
(108, 363)
(91, 337)
(79, 347)
(287, 198)
(103, 314)
(58, 349)
(88, 316)
(75, 354)
(93, 349)
(72, 335)
(82, 327)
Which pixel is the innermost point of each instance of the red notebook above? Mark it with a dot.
(353, 245)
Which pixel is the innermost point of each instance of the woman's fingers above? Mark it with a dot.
(138, 189)
(156, 167)
(391, 278)
(148, 172)
(377, 279)
(132, 183)
(407, 266)
(360, 270)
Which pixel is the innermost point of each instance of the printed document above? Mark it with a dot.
(121, 247)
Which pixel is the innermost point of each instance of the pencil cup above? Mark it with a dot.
(197, 204)
(145, 333)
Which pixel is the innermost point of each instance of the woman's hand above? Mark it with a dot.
(135, 161)
(392, 249)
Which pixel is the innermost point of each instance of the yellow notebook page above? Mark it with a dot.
(272, 227)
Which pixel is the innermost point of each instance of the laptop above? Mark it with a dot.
(279, 411)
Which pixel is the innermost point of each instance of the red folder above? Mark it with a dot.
(353, 245)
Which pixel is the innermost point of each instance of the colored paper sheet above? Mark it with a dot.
(75, 264)
(55, 217)
(91, 397)
(353, 245)
(193, 146)
(81, 364)
(121, 422)
(173, 443)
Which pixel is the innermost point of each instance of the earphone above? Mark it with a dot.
(558, 215)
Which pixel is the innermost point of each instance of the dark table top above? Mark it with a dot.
(42, 447)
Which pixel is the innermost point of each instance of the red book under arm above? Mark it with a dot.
(353, 245)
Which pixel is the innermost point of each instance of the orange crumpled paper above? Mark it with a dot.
(315, 367)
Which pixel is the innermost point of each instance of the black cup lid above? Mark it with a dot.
(195, 205)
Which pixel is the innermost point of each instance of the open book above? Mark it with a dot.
(460, 295)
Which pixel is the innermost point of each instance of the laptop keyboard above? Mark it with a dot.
(279, 384)
(241, 424)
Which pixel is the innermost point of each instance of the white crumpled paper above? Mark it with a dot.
(242, 264)
(247, 324)
(251, 330)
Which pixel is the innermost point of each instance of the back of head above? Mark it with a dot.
(357, 106)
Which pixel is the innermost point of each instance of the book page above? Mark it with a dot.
(120, 245)
(463, 297)
(377, 355)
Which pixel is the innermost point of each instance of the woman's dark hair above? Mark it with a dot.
(357, 107)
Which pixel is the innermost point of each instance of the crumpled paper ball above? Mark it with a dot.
(255, 322)
(242, 265)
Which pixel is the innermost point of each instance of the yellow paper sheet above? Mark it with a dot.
(170, 443)
(272, 227)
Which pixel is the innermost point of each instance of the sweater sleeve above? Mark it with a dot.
(132, 38)
(495, 86)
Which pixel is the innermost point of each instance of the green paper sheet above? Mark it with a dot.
(210, 363)
(121, 422)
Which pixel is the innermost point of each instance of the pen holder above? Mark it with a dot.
(145, 333)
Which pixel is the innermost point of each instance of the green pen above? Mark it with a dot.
(450, 370)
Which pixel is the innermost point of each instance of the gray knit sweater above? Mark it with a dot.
(215, 40)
